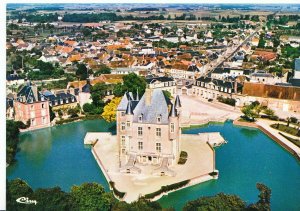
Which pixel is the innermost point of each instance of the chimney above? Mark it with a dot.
(72, 91)
(35, 92)
(148, 95)
(235, 87)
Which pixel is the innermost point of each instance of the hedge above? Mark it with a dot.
(214, 173)
(116, 192)
(228, 101)
(182, 158)
(293, 140)
(284, 128)
(167, 188)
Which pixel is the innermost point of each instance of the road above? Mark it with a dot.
(217, 62)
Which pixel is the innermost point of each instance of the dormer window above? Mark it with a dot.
(140, 118)
(158, 118)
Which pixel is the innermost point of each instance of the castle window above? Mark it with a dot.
(172, 129)
(158, 147)
(123, 141)
(31, 107)
(128, 124)
(42, 105)
(158, 118)
(140, 131)
(122, 113)
(158, 132)
(140, 118)
(140, 145)
(122, 125)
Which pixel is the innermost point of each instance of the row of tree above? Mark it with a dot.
(92, 196)
(12, 138)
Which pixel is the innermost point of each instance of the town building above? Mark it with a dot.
(148, 130)
(210, 88)
(32, 107)
(162, 83)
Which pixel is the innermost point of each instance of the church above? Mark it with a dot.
(148, 131)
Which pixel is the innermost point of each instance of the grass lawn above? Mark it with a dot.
(293, 140)
(284, 128)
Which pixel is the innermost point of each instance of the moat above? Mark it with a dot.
(57, 157)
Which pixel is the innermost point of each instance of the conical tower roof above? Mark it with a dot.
(177, 102)
(129, 108)
(173, 112)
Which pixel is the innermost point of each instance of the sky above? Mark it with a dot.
(160, 1)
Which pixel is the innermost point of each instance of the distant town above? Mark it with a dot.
(153, 71)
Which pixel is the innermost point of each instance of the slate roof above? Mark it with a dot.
(193, 68)
(221, 83)
(221, 70)
(12, 77)
(26, 95)
(158, 106)
(161, 79)
(128, 96)
(295, 82)
(257, 74)
(297, 64)
(9, 103)
(59, 98)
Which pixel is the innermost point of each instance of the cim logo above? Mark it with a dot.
(25, 200)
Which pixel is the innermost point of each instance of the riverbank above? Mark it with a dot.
(63, 122)
(264, 126)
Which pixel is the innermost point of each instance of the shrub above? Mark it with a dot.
(183, 154)
(293, 140)
(116, 192)
(285, 128)
(228, 101)
(214, 173)
(274, 118)
(167, 188)
(183, 158)
(294, 120)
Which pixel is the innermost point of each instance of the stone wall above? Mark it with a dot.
(271, 91)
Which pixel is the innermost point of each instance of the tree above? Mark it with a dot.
(133, 82)
(91, 196)
(264, 202)
(88, 107)
(261, 42)
(12, 138)
(103, 69)
(82, 71)
(219, 202)
(98, 92)
(52, 199)
(249, 113)
(110, 110)
(167, 94)
(269, 112)
(118, 90)
(15, 189)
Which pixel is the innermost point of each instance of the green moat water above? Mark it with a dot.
(57, 157)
